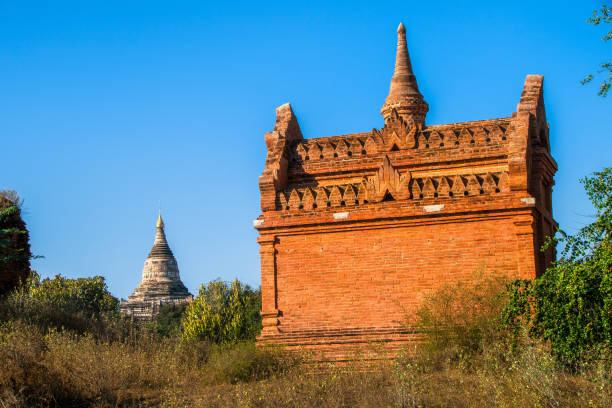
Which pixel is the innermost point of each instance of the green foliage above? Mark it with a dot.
(78, 305)
(60, 368)
(14, 242)
(89, 296)
(9, 230)
(168, 320)
(223, 313)
(606, 67)
(570, 306)
(8, 235)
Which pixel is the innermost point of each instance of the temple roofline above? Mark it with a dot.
(502, 120)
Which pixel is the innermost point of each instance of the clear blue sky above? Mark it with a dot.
(108, 107)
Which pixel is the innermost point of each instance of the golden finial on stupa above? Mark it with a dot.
(160, 222)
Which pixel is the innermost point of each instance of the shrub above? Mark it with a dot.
(168, 320)
(89, 296)
(570, 306)
(223, 313)
(49, 368)
(244, 361)
(459, 318)
(80, 305)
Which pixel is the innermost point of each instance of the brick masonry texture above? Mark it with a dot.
(355, 229)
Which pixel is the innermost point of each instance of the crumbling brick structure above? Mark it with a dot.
(356, 227)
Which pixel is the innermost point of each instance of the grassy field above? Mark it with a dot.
(51, 358)
(67, 370)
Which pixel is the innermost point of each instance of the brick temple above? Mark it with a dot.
(355, 228)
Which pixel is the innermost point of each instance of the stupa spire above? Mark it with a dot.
(160, 244)
(404, 96)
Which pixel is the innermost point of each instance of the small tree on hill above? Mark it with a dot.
(223, 313)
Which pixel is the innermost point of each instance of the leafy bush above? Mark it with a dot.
(60, 369)
(168, 319)
(89, 296)
(223, 313)
(81, 305)
(570, 306)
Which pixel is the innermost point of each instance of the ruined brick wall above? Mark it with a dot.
(355, 228)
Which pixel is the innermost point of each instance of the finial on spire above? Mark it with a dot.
(160, 222)
(404, 95)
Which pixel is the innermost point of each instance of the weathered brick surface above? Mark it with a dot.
(355, 228)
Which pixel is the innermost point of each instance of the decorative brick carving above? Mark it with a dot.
(387, 182)
(322, 198)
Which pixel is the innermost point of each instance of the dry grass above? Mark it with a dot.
(64, 370)
(465, 361)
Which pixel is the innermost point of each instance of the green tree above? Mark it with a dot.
(570, 306)
(14, 242)
(79, 305)
(87, 296)
(223, 313)
(606, 67)
(168, 319)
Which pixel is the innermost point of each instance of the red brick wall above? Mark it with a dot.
(373, 277)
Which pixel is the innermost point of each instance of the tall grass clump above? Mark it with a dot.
(459, 319)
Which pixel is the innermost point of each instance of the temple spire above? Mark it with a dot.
(404, 96)
(160, 245)
(403, 81)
